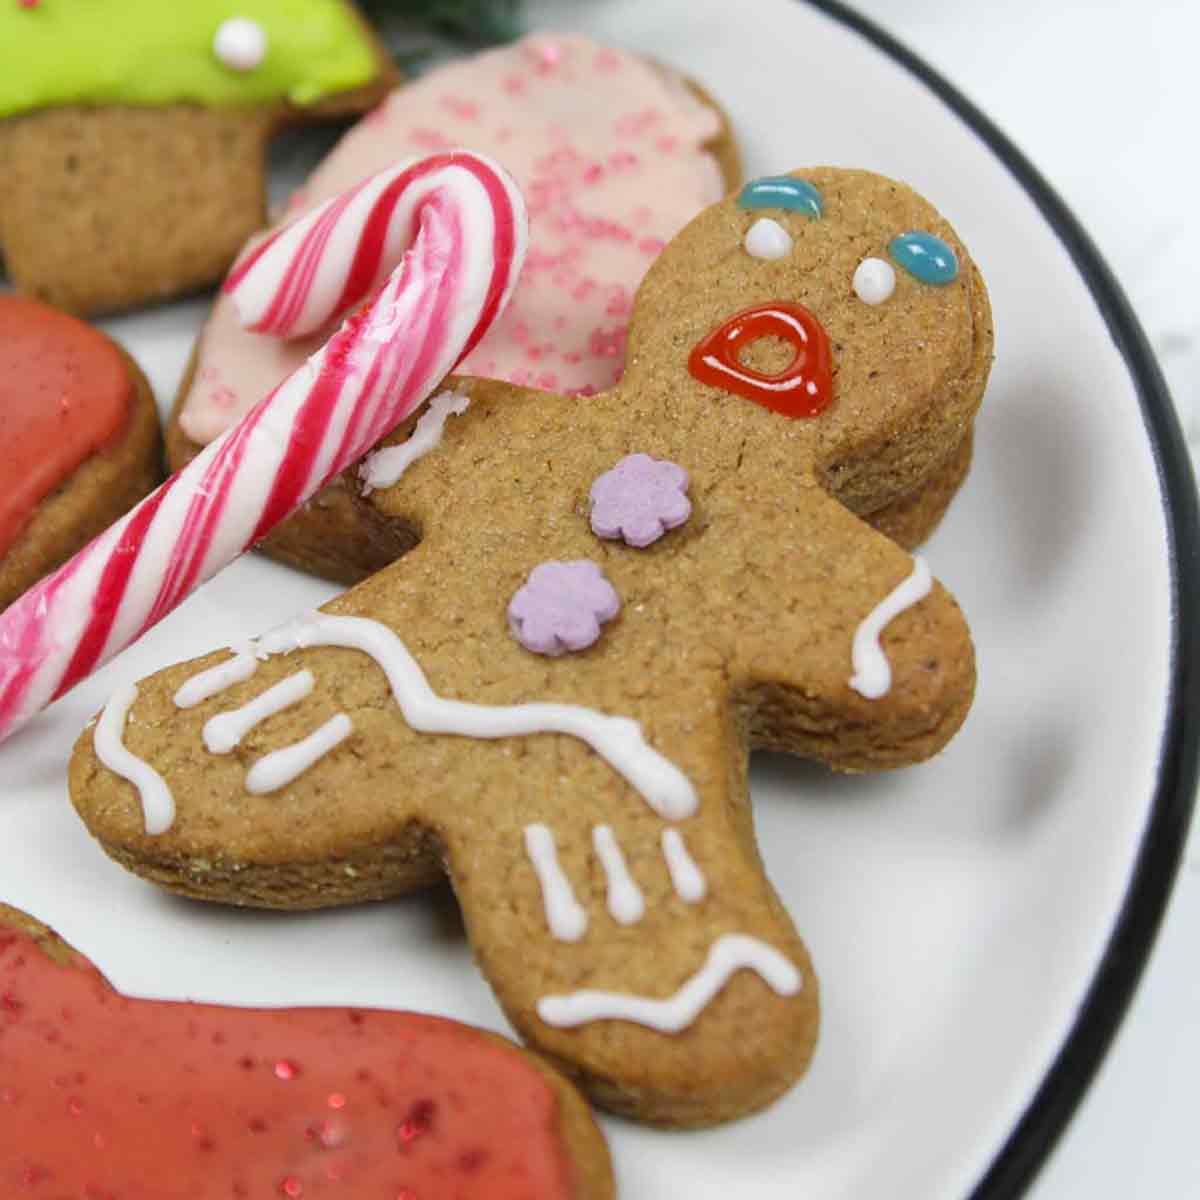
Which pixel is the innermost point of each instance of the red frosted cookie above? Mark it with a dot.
(106, 1096)
(79, 439)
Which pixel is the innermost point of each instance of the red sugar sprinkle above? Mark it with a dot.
(418, 1122)
(291, 1186)
(336, 1100)
(74, 1106)
(286, 1070)
(28, 3)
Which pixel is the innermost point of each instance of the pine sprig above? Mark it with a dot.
(478, 21)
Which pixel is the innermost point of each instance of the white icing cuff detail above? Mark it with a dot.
(686, 876)
(276, 770)
(872, 676)
(564, 915)
(730, 953)
(158, 805)
(224, 731)
(625, 899)
(383, 467)
(216, 679)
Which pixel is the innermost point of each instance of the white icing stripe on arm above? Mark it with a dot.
(625, 900)
(216, 679)
(688, 879)
(872, 672)
(731, 952)
(383, 467)
(226, 730)
(564, 914)
(618, 740)
(158, 805)
(275, 770)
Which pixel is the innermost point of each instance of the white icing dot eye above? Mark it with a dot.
(768, 239)
(240, 43)
(874, 280)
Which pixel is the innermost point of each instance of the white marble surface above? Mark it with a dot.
(1104, 97)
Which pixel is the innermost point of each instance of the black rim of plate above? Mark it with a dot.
(1132, 937)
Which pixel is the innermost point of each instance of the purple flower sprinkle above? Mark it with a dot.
(562, 606)
(640, 499)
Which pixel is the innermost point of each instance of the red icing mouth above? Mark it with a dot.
(108, 1097)
(803, 388)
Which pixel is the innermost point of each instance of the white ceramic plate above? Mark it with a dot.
(959, 913)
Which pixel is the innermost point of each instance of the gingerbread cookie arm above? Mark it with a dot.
(883, 672)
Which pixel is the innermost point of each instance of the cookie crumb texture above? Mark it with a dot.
(106, 1095)
(592, 810)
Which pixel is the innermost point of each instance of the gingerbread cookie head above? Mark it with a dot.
(553, 695)
(840, 298)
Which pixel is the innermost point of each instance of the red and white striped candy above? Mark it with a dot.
(464, 236)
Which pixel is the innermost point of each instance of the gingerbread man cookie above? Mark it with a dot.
(553, 695)
(105, 1095)
(134, 136)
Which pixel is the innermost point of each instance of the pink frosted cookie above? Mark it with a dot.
(614, 154)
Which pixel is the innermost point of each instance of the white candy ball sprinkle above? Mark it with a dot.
(874, 280)
(768, 239)
(240, 43)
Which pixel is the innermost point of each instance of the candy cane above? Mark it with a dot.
(457, 224)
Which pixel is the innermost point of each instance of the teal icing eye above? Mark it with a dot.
(781, 191)
(925, 257)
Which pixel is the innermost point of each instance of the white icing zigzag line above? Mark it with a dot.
(729, 953)
(216, 679)
(625, 900)
(688, 879)
(224, 731)
(872, 672)
(618, 740)
(274, 770)
(383, 467)
(158, 805)
(567, 920)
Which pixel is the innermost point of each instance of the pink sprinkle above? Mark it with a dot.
(520, 332)
(223, 397)
(573, 357)
(622, 160)
(593, 174)
(651, 245)
(635, 123)
(619, 301)
(514, 85)
(667, 143)
(547, 380)
(522, 376)
(430, 139)
(607, 343)
(546, 56)
(465, 110)
(583, 289)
